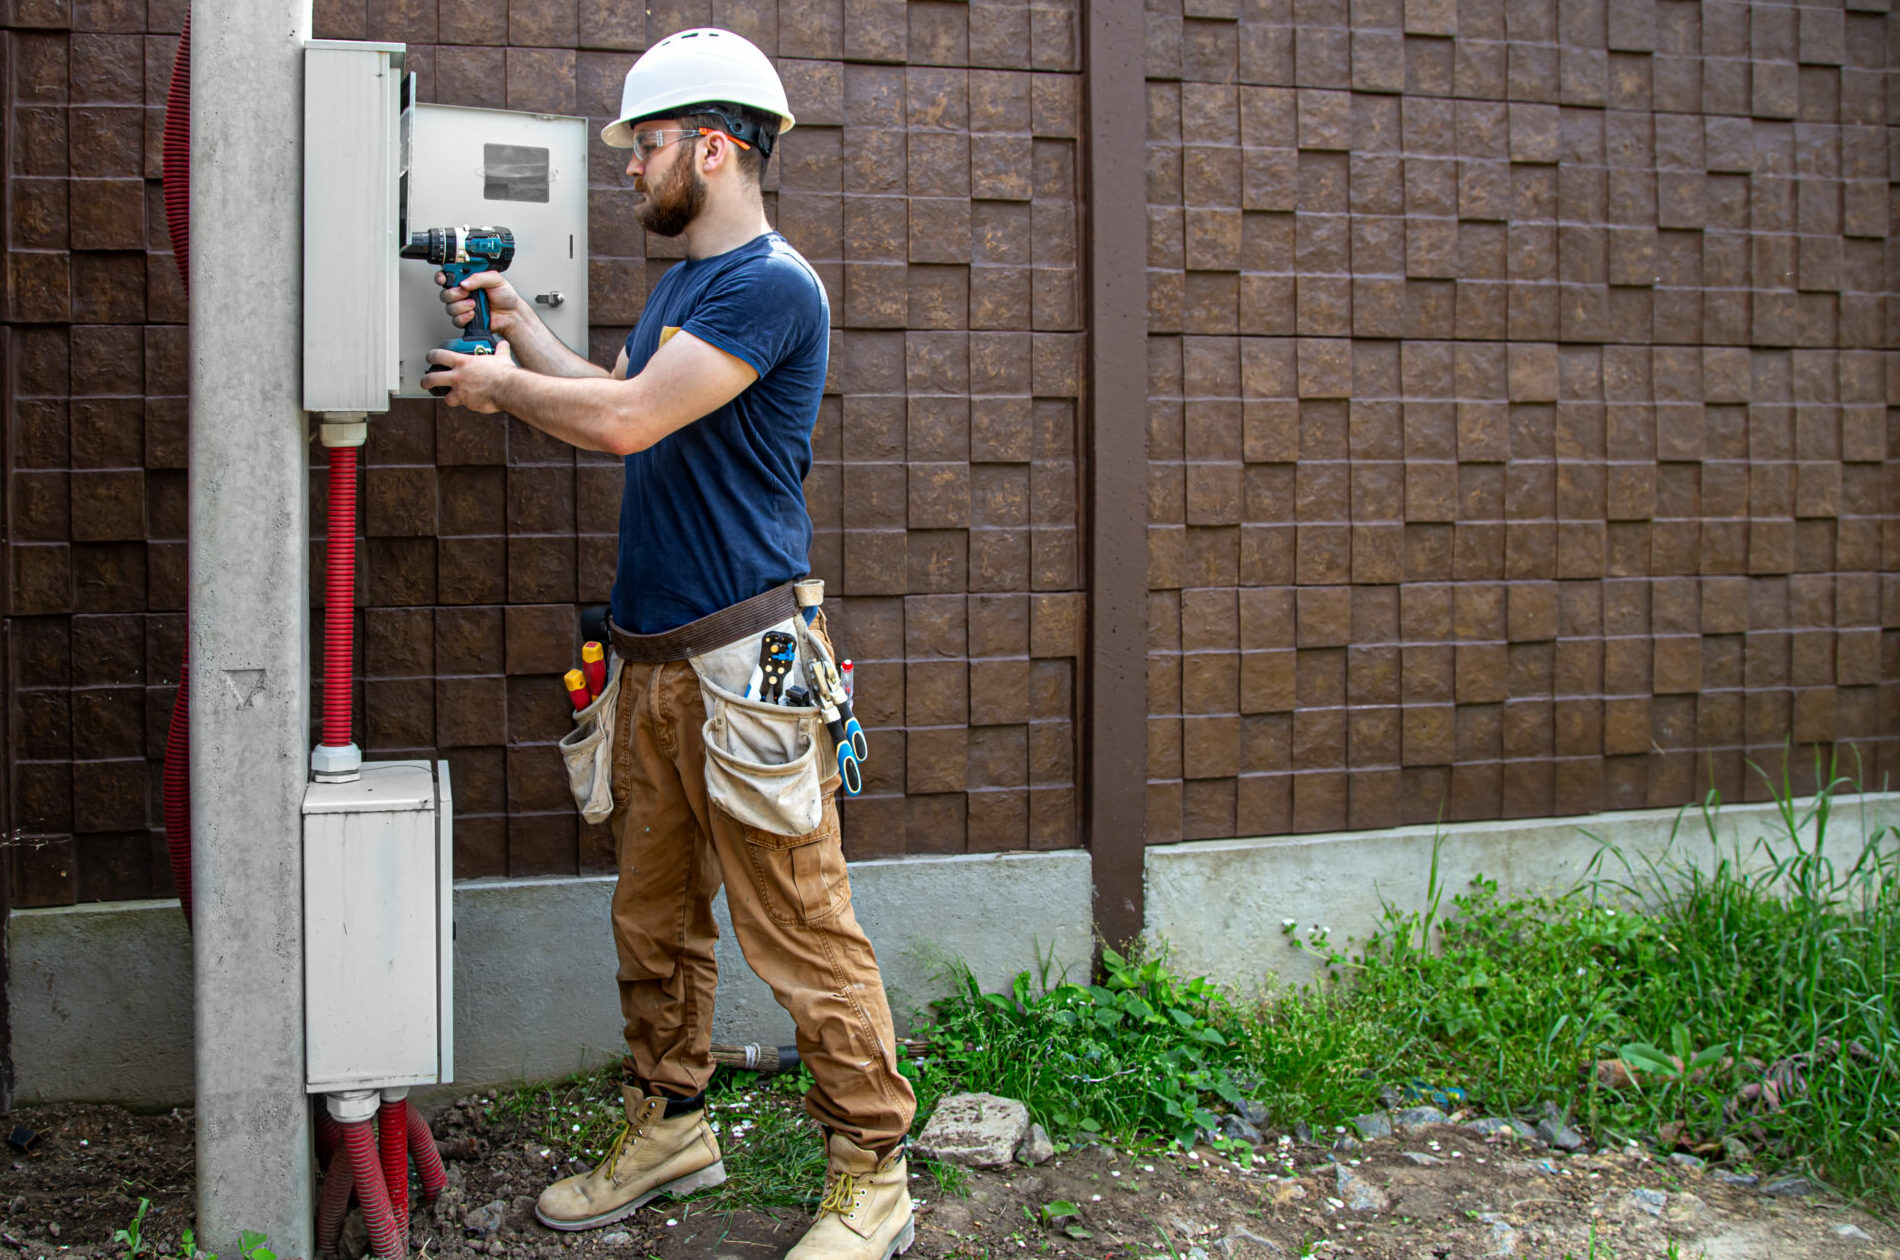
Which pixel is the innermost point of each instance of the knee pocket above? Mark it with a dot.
(800, 879)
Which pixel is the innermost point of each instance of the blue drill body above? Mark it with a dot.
(461, 253)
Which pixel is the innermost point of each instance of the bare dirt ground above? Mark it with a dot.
(1449, 1194)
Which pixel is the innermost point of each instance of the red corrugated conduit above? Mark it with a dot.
(178, 218)
(333, 1205)
(359, 1147)
(339, 596)
(392, 1141)
(422, 1148)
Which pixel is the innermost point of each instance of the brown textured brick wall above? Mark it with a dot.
(1519, 383)
(95, 445)
(932, 180)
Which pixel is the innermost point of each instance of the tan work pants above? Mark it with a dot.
(790, 901)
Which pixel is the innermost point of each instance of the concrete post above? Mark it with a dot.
(250, 638)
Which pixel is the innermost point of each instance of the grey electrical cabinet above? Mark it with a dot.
(495, 168)
(355, 95)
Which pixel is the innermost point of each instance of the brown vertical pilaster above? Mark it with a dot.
(1115, 749)
(6, 571)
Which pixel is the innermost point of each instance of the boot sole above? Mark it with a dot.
(711, 1175)
(902, 1242)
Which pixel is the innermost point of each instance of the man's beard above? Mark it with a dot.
(670, 207)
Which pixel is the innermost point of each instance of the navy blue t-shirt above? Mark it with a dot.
(714, 512)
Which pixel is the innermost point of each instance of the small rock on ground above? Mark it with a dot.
(1650, 1201)
(1559, 1135)
(1240, 1241)
(1418, 1118)
(1359, 1194)
(1373, 1125)
(487, 1218)
(1854, 1232)
(980, 1130)
(1035, 1147)
(1421, 1158)
(616, 1238)
(1503, 1234)
(1492, 1126)
(1238, 1127)
(1686, 1209)
(1784, 1187)
(1687, 1163)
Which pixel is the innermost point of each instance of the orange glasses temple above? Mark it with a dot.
(714, 131)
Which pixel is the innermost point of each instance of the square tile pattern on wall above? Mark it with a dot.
(1519, 424)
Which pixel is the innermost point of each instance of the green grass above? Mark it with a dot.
(1701, 973)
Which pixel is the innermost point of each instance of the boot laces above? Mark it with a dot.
(624, 1137)
(840, 1195)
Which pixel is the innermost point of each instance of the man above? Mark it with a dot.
(712, 404)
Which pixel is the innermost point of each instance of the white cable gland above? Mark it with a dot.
(332, 764)
(343, 428)
(353, 1106)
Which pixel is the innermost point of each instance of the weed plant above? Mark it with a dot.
(1141, 1052)
(1751, 994)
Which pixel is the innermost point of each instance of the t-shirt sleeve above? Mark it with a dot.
(761, 313)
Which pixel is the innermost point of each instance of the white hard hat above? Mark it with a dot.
(697, 67)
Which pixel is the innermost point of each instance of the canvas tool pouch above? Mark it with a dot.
(588, 749)
(766, 764)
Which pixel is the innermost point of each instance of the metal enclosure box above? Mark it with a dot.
(496, 168)
(378, 933)
(354, 95)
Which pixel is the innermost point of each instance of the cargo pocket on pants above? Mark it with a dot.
(800, 879)
(588, 750)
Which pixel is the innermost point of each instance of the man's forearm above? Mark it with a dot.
(539, 350)
(589, 412)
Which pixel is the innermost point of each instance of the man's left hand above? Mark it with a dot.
(472, 379)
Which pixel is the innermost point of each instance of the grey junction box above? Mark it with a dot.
(379, 931)
(355, 99)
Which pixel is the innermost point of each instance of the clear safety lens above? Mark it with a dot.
(648, 142)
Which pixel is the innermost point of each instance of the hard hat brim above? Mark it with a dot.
(619, 135)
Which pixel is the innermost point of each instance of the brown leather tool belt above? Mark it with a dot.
(714, 630)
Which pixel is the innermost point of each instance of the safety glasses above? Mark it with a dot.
(650, 141)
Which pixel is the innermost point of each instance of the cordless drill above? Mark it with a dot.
(461, 252)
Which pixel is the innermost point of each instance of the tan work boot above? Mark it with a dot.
(650, 1156)
(865, 1214)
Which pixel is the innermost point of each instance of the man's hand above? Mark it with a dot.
(472, 379)
(506, 310)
